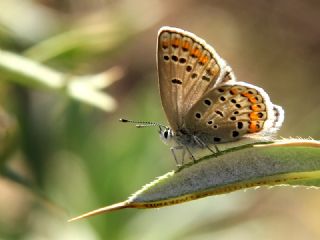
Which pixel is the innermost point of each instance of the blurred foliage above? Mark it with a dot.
(62, 155)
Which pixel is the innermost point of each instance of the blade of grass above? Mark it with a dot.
(84, 88)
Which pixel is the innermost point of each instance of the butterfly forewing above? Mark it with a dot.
(228, 112)
(188, 68)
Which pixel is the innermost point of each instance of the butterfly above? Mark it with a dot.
(203, 102)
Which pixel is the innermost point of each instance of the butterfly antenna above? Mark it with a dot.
(141, 124)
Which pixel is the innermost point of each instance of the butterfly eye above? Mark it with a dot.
(165, 134)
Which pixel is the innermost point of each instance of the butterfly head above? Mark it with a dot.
(166, 134)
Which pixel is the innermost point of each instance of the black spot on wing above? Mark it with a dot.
(176, 81)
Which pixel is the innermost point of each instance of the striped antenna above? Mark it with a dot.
(141, 124)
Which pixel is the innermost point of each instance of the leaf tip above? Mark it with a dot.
(98, 211)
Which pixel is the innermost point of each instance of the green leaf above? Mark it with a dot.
(88, 88)
(291, 162)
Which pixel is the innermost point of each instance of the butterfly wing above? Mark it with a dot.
(187, 68)
(228, 112)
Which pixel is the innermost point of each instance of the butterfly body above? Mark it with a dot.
(203, 101)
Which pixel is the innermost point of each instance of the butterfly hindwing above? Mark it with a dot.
(228, 112)
(188, 68)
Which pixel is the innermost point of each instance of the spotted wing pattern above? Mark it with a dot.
(188, 68)
(229, 112)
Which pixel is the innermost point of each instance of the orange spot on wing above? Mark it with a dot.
(254, 116)
(196, 52)
(247, 95)
(234, 91)
(255, 107)
(203, 59)
(175, 42)
(165, 43)
(253, 99)
(254, 126)
(186, 45)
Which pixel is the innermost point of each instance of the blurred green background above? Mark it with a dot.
(63, 151)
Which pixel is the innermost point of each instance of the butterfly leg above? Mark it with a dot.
(172, 149)
(183, 148)
(216, 148)
(202, 144)
(183, 155)
(190, 153)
